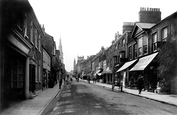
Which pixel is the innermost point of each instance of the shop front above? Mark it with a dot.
(123, 72)
(15, 84)
(148, 69)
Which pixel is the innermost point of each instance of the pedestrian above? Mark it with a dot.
(60, 83)
(158, 87)
(71, 79)
(88, 78)
(94, 78)
(140, 83)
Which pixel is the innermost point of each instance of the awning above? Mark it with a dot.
(126, 65)
(99, 74)
(98, 71)
(143, 62)
(107, 71)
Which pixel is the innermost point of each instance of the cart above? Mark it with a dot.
(119, 84)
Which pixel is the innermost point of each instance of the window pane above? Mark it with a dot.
(164, 34)
(154, 41)
(130, 52)
(145, 40)
(145, 49)
(139, 42)
(140, 51)
(31, 32)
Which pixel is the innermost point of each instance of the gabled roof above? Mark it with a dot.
(140, 27)
(145, 25)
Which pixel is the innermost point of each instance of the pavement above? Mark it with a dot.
(163, 98)
(36, 105)
(33, 106)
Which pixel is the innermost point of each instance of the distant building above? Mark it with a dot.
(61, 51)
(46, 68)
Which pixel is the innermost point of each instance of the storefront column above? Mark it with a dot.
(27, 79)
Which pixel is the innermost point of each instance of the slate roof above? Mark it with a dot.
(145, 25)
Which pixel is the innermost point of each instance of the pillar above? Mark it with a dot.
(27, 79)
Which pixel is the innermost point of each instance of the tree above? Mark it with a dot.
(167, 63)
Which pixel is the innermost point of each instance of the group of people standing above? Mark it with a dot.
(66, 80)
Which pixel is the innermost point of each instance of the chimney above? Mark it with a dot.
(43, 27)
(127, 26)
(116, 35)
(149, 15)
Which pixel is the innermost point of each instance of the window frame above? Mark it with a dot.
(140, 46)
(31, 32)
(135, 51)
(145, 45)
(123, 42)
(163, 33)
(36, 38)
(130, 52)
(154, 41)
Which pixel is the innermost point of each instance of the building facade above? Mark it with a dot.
(46, 68)
(21, 75)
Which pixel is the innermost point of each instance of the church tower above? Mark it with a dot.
(74, 64)
(61, 51)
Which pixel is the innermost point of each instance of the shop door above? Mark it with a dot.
(32, 78)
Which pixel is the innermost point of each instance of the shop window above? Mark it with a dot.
(17, 74)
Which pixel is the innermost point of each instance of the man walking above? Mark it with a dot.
(140, 83)
(60, 83)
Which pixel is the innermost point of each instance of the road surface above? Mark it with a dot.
(82, 98)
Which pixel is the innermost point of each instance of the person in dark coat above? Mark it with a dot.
(140, 83)
(60, 83)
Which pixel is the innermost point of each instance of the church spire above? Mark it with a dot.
(61, 50)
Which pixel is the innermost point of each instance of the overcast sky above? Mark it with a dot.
(86, 25)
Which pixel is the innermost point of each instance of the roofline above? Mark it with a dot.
(175, 13)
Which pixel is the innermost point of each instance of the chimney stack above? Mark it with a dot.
(149, 15)
(127, 26)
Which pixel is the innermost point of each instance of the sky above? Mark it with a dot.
(84, 26)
